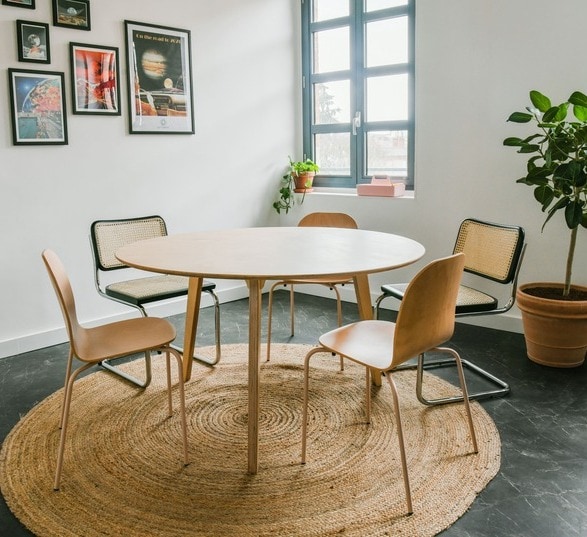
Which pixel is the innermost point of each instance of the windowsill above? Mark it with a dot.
(350, 192)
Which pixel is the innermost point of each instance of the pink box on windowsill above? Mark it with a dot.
(381, 185)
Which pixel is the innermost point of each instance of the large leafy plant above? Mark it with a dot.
(557, 167)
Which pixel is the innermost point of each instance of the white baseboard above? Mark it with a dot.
(507, 322)
(31, 342)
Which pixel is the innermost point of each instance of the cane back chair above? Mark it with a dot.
(107, 236)
(494, 254)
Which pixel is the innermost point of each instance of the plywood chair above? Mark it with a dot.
(493, 254)
(341, 220)
(425, 320)
(107, 236)
(93, 345)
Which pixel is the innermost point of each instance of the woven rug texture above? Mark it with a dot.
(123, 474)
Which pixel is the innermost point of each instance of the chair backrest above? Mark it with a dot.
(426, 316)
(492, 250)
(64, 292)
(328, 220)
(109, 235)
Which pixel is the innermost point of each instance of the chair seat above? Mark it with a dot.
(366, 342)
(468, 299)
(152, 288)
(122, 338)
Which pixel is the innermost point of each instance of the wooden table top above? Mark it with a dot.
(273, 253)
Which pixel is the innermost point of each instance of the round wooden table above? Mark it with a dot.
(268, 253)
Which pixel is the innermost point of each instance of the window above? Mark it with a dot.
(358, 89)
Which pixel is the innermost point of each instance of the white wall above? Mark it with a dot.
(245, 59)
(476, 62)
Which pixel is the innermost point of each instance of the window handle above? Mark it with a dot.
(356, 122)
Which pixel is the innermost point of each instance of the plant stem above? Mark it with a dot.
(567, 288)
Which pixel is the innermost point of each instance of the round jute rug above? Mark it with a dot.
(123, 476)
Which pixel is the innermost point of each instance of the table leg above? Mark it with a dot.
(191, 324)
(363, 293)
(254, 351)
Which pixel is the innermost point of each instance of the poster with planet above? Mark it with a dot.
(38, 107)
(159, 79)
(72, 14)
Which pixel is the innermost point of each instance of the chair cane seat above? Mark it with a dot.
(468, 299)
(152, 288)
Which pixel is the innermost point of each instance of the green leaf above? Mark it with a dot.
(520, 117)
(538, 175)
(550, 114)
(581, 180)
(544, 195)
(540, 101)
(529, 148)
(578, 99)
(561, 115)
(580, 112)
(573, 214)
(513, 142)
(558, 205)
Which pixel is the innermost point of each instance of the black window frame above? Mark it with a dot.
(358, 75)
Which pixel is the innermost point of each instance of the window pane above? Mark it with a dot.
(374, 5)
(329, 9)
(332, 102)
(333, 153)
(387, 42)
(387, 98)
(331, 50)
(387, 153)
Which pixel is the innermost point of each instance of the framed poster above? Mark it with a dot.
(72, 14)
(159, 79)
(33, 42)
(37, 105)
(28, 4)
(95, 79)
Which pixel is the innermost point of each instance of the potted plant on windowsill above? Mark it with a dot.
(557, 171)
(299, 179)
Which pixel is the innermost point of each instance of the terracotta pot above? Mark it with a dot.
(555, 330)
(303, 182)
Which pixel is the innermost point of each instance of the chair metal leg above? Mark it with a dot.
(205, 359)
(269, 318)
(380, 298)
(502, 387)
(133, 380)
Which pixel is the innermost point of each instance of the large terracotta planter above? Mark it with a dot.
(555, 330)
(303, 182)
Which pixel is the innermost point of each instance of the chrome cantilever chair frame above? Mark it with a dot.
(502, 267)
(138, 292)
(425, 320)
(112, 340)
(341, 220)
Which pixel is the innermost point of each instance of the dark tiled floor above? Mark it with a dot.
(541, 489)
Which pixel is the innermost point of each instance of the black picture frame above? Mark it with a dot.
(72, 14)
(95, 79)
(33, 42)
(27, 4)
(159, 70)
(37, 105)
